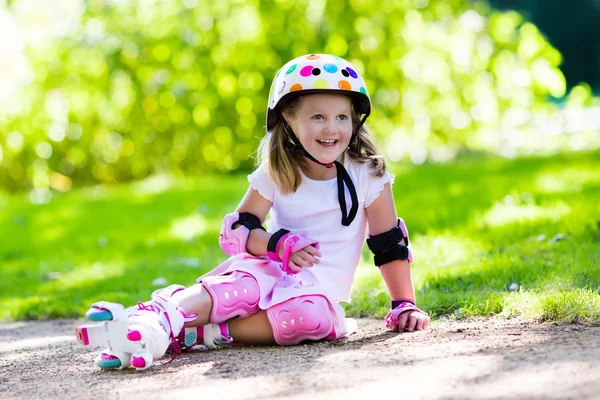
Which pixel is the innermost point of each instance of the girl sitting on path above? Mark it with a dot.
(322, 181)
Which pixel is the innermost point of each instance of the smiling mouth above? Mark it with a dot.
(328, 143)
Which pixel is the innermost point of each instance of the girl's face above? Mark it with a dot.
(323, 124)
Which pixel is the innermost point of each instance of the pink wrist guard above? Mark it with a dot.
(391, 319)
(291, 244)
(273, 251)
(233, 241)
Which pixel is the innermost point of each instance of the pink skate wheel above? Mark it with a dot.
(107, 361)
(138, 362)
(134, 336)
(98, 314)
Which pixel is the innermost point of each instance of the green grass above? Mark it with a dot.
(477, 226)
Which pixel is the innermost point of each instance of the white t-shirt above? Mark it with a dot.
(314, 210)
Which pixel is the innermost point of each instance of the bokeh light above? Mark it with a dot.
(107, 92)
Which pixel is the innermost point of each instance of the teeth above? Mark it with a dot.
(326, 141)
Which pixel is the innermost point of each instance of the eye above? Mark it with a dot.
(343, 117)
(318, 116)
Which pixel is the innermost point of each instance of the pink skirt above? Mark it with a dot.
(277, 286)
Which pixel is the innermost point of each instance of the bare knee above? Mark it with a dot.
(195, 300)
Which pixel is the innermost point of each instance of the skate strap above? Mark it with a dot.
(147, 307)
(174, 342)
(215, 334)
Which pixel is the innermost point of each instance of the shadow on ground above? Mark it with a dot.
(470, 359)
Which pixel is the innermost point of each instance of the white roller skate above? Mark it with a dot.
(136, 336)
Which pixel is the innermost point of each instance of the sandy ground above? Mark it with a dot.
(491, 359)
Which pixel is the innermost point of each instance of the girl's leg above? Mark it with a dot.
(301, 318)
(214, 302)
(195, 300)
(255, 329)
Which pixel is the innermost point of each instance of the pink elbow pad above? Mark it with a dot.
(233, 241)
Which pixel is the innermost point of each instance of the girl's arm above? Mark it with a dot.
(381, 215)
(254, 203)
(258, 239)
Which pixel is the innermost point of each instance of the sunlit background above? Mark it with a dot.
(107, 91)
(127, 128)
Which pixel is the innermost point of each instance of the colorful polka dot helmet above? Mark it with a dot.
(316, 73)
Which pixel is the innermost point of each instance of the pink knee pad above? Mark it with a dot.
(302, 318)
(233, 295)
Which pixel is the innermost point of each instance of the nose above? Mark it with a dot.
(330, 127)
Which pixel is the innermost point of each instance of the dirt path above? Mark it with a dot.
(492, 359)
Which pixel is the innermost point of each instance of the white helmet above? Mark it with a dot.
(316, 73)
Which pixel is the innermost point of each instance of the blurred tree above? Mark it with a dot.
(141, 86)
(570, 26)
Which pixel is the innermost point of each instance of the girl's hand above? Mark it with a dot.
(412, 321)
(407, 318)
(306, 257)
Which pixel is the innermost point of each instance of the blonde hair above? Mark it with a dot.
(283, 165)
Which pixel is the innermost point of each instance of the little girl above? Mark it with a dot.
(323, 181)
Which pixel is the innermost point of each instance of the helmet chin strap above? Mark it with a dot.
(342, 174)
